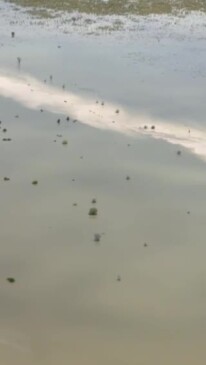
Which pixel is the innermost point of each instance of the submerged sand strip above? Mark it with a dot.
(34, 94)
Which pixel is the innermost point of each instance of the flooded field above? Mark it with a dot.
(102, 189)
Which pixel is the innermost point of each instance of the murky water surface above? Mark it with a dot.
(137, 296)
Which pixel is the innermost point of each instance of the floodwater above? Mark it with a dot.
(138, 295)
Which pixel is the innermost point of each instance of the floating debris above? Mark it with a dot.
(6, 178)
(119, 278)
(34, 182)
(97, 237)
(11, 280)
(93, 211)
(64, 142)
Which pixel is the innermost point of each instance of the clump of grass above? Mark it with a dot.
(34, 182)
(11, 280)
(93, 212)
(64, 142)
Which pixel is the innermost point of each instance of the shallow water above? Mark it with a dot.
(67, 304)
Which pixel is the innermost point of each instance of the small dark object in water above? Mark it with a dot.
(145, 244)
(73, 179)
(34, 182)
(11, 280)
(6, 178)
(188, 212)
(67, 118)
(94, 201)
(119, 278)
(12, 34)
(97, 237)
(17, 116)
(58, 46)
(102, 102)
(19, 60)
(6, 139)
(179, 153)
(64, 142)
(128, 178)
(41, 110)
(4, 130)
(153, 127)
(145, 127)
(93, 211)
(74, 204)
(117, 111)
(58, 121)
